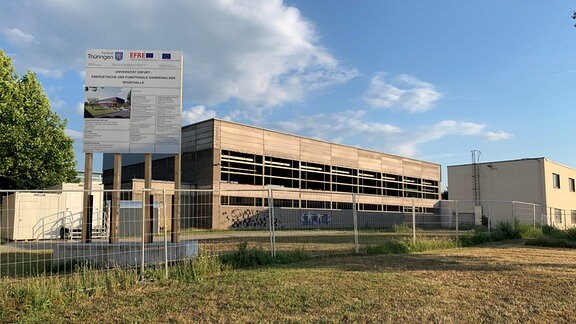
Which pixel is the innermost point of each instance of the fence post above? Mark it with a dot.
(355, 219)
(457, 221)
(513, 213)
(143, 235)
(270, 220)
(534, 215)
(489, 218)
(165, 232)
(413, 220)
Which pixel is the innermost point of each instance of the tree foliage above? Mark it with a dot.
(35, 152)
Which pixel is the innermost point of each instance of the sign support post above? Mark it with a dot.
(86, 199)
(115, 209)
(175, 235)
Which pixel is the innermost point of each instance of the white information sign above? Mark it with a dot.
(133, 101)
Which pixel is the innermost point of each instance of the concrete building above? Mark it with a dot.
(240, 163)
(534, 180)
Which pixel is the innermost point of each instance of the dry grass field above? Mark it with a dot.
(499, 283)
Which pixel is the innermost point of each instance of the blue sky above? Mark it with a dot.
(431, 80)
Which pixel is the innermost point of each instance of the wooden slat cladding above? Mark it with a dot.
(281, 145)
(344, 156)
(315, 151)
(391, 164)
(412, 168)
(369, 161)
(242, 138)
(431, 172)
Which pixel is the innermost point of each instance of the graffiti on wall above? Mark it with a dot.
(248, 218)
(311, 219)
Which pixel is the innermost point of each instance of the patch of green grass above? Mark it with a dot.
(475, 285)
(245, 257)
(98, 110)
(388, 247)
(402, 228)
(409, 246)
(432, 244)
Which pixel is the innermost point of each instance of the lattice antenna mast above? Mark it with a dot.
(476, 176)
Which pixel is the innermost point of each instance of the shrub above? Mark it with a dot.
(529, 231)
(551, 242)
(506, 231)
(502, 231)
(475, 239)
(571, 234)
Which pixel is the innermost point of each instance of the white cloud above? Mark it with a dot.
(259, 52)
(196, 114)
(57, 103)
(51, 73)
(338, 127)
(407, 144)
(403, 92)
(351, 127)
(498, 136)
(17, 37)
(76, 135)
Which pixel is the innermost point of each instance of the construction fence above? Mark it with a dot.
(51, 232)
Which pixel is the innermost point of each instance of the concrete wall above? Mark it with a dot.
(257, 218)
(519, 180)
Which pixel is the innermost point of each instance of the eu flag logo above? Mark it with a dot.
(166, 56)
(149, 55)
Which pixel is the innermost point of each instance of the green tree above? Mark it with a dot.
(34, 150)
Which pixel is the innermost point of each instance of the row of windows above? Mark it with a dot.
(260, 170)
(556, 182)
(313, 204)
(559, 216)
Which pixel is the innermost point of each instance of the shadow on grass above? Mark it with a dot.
(434, 261)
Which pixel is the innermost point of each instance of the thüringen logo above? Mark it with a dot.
(118, 56)
(103, 57)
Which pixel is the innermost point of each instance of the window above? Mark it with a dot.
(571, 184)
(574, 217)
(556, 180)
(557, 215)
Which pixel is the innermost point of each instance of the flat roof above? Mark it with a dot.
(514, 160)
(304, 137)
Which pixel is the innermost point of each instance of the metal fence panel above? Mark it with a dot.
(42, 230)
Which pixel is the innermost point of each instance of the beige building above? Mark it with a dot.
(533, 180)
(240, 163)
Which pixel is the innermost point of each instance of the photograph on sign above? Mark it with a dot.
(110, 102)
